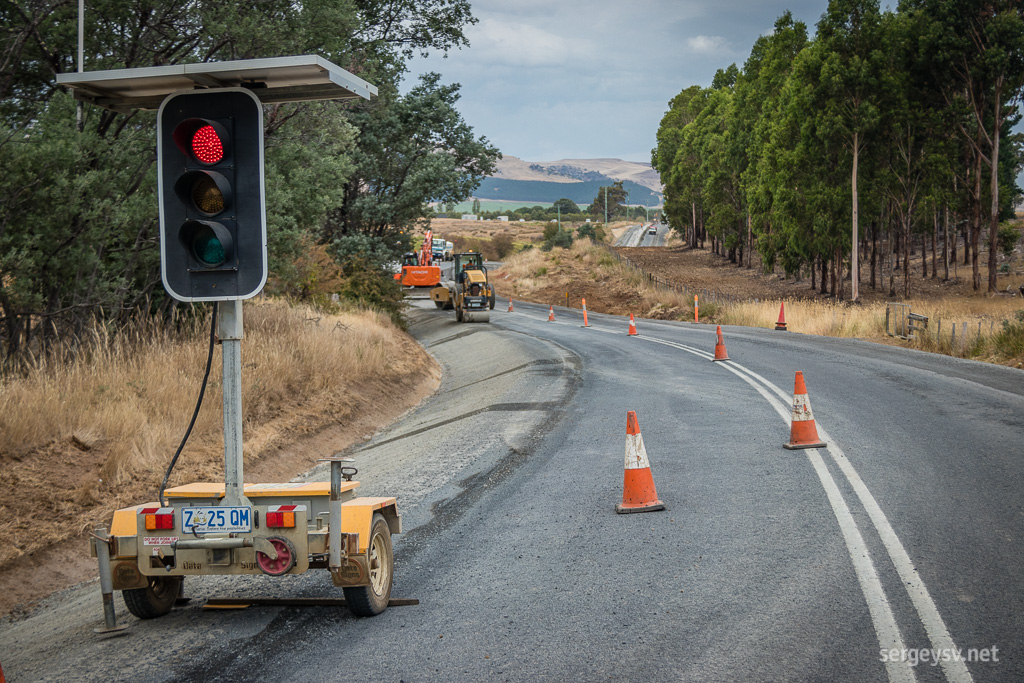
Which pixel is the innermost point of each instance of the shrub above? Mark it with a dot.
(1009, 341)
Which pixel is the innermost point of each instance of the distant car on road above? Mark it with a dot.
(652, 231)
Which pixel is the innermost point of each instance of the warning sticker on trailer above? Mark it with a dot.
(159, 540)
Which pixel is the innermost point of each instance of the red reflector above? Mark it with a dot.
(207, 145)
(165, 521)
(273, 519)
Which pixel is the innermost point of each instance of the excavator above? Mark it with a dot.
(418, 270)
(468, 292)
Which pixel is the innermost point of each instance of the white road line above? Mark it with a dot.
(938, 634)
(878, 605)
(886, 629)
(928, 613)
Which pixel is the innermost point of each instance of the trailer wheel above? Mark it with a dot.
(369, 601)
(439, 304)
(156, 599)
(490, 303)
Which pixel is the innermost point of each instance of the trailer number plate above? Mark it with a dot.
(201, 520)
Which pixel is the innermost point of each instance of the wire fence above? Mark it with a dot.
(955, 337)
(705, 295)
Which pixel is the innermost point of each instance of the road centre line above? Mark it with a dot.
(955, 669)
(886, 628)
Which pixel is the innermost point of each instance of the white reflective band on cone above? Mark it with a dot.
(636, 454)
(801, 408)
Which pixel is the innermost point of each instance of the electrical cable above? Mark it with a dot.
(199, 404)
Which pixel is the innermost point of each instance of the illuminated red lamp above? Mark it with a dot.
(207, 145)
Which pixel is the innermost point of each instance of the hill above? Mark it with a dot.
(580, 180)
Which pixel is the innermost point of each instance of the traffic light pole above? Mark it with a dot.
(229, 330)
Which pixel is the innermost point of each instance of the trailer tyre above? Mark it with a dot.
(156, 599)
(369, 601)
(439, 304)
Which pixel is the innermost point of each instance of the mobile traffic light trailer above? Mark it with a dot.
(213, 246)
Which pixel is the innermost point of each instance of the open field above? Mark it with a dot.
(82, 439)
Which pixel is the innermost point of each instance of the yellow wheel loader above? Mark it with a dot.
(468, 291)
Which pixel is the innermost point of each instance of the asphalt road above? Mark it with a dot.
(902, 536)
(640, 236)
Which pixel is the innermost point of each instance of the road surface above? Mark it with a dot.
(641, 236)
(898, 544)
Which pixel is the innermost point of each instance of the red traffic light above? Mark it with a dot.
(203, 140)
(207, 145)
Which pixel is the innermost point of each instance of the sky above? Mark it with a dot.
(581, 79)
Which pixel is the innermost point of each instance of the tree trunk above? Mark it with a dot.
(924, 256)
(906, 257)
(874, 252)
(993, 230)
(854, 263)
(945, 243)
(976, 225)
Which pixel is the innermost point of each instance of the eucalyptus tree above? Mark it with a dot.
(977, 49)
(413, 149)
(77, 195)
(759, 96)
(848, 91)
(675, 161)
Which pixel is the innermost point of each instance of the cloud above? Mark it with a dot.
(510, 43)
(707, 44)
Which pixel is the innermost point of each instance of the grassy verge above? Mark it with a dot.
(81, 439)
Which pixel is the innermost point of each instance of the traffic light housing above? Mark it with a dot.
(213, 227)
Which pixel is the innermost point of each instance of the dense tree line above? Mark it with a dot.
(883, 131)
(78, 209)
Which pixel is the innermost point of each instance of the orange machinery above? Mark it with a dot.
(418, 270)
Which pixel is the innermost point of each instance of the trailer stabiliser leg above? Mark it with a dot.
(102, 544)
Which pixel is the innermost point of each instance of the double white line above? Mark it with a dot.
(888, 632)
(886, 628)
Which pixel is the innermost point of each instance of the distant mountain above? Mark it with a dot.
(580, 180)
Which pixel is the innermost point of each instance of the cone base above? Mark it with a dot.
(798, 446)
(625, 509)
(780, 328)
(722, 358)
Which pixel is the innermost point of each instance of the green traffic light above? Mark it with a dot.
(207, 248)
(209, 243)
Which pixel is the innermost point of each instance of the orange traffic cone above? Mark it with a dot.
(781, 324)
(803, 433)
(585, 323)
(551, 314)
(510, 305)
(720, 352)
(638, 493)
(632, 325)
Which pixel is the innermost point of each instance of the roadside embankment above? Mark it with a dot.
(660, 283)
(81, 439)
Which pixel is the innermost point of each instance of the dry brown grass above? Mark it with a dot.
(588, 271)
(79, 440)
